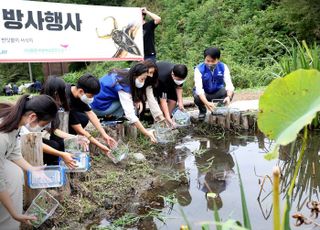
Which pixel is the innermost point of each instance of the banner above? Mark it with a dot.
(54, 32)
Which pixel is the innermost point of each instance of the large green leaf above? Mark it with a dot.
(288, 104)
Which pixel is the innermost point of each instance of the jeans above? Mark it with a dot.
(220, 94)
(114, 109)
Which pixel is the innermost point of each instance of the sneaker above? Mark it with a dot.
(202, 116)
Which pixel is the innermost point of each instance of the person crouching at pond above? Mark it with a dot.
(212, 81)
(34, 113)
(121, 93)
(169, 90)
(79, 97)
(150, 85)
(53, 140)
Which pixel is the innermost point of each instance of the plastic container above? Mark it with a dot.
(75, 144)
(120, 152)
(46, 177)
(42, 207)
(82, 161)
(163, 133)
(181, 118)
(71, 145)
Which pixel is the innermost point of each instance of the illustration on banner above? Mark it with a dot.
(123, 39)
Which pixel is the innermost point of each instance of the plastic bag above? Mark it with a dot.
(181, 118)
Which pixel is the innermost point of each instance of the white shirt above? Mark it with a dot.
(198, 80)
(129, 109)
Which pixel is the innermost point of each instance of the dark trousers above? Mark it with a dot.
(56, 143)
(220, 94)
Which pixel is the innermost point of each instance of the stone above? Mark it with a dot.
(139, 157)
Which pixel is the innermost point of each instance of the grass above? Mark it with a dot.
(9, 99)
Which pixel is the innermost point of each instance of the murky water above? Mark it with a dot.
(208, 165)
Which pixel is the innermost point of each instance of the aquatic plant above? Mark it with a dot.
(287, 106)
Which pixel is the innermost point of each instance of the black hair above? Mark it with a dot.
(89, 84)
(55, 88)
(42, 105)
(153, 81)
(213, 52)
(180, 71)
(134, 72)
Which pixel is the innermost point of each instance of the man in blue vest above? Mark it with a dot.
(212, 81)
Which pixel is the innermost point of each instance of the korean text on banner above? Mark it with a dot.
(54, 32)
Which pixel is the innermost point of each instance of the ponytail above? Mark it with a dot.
(10, 115)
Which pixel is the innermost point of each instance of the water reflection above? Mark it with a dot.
(198, 166)
(308, 180)
(214, 166)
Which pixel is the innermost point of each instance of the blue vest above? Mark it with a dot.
(109, 88)
(212, 82)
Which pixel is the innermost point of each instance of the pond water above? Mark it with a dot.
(209, 165)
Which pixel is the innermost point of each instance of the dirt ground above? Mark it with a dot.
(247, 95)
(116, 192)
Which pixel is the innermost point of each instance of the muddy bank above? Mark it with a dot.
(120, 193)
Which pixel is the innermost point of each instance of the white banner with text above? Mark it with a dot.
(54, 32)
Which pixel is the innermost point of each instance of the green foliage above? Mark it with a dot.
(18, 73)
(97, 69)
(299, 56)
(287, 105)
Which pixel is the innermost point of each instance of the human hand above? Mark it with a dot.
(24, 218)
(180, 106)
(170, 123)
(227, 100)
(83, 142)
(68, 160)
(139, 106)
(152, 137)
(110, 141)
(109, 154)
(210, 106)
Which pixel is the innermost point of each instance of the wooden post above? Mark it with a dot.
(64, 121)
(212, 119)
(131, 130)
(221, 121)
(244, 122)
(236, 119)
(31, 149)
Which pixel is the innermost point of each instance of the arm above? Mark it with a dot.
(153, 105)
(229, 85)
(81, 131)
(179, 91)
(62, 134)
(155, 17)
(95, 121)
(6, 201)
(67, 157)
(127, 105)
(200, 91)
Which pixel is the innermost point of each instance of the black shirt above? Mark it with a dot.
(166, 84)
(148, 38)
(76, 106)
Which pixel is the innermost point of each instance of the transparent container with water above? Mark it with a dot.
(120, 152)
(163, 133)
(76, 144)
(181, 118)
(82, 161)
(46, 177)
(42, 207)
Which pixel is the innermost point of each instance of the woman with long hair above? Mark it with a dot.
(35, 113)
(121, 92)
